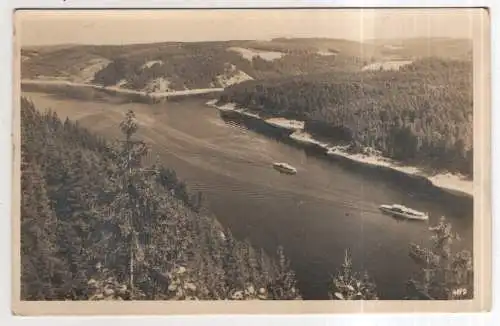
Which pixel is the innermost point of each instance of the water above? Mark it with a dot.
(316, 214)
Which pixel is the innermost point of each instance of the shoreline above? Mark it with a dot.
(445, 181)
(119, 90)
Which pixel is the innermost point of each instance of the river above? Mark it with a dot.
(316, 214)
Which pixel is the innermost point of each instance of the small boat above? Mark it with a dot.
(403, 212)
(285, 168)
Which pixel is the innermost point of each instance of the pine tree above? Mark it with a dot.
(42, 274)
(234, 279)
(348, 285)
(250, 261)
(130, 160)
(446, 274)
(283, 286)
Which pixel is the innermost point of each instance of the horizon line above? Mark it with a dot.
(245, 39)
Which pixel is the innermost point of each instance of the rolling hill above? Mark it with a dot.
(179, 66)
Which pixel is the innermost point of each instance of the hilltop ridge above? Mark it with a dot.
(190, 65)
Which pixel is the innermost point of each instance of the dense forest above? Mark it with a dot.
(208, 64)
(196, 66)
(98, 224)
(181, 65)
(421, 114)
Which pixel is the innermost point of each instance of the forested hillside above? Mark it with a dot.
(421, 114)
(178, 65)
(98, 224)
(190, 66)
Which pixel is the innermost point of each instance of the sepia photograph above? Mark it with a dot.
(329, 156)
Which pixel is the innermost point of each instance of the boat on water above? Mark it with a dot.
(285, 168)
(402, 211)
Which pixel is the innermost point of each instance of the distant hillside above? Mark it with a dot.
(414, 48)
(178, 66)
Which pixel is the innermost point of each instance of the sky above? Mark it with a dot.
(146, 26)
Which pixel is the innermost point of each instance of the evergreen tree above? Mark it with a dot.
(446, 274)
(231, 263)
(283, 286)
(348, 285)
(39, 266)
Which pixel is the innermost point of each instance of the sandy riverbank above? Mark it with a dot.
(449, 181)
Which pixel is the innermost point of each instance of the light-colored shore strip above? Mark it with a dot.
(121, 90)
(449, 181)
